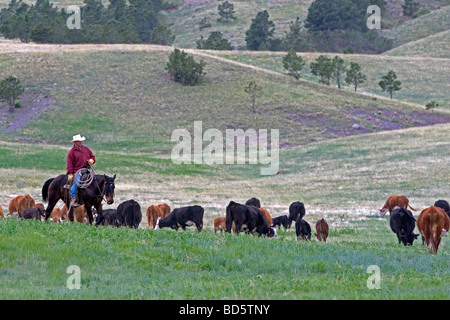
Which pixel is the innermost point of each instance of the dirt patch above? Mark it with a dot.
(32, 105)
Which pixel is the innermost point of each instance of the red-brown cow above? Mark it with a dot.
(395, 201)
(433, 223)
(322, 230)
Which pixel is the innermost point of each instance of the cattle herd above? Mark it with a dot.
(432, 222)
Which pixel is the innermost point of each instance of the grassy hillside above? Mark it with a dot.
(421, 27)
(88, 91)
(423, 79)
(433, 46)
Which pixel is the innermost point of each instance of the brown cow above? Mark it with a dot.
(322, 230)
(58, 215)
(395, 201)
(79, 214)
(219, 224)
(165, 208)
(39, 205)
(267, 215)
(433, 223)
(1, 212)
(153, 213)
(21, 203)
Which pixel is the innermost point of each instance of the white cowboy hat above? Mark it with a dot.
(78, 137)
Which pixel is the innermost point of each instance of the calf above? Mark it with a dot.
(443, 205)
(395, 201)
(248, 218)
(296, 211)
(57, 215)
(129, 213)
(219, 224)
(183, 217)
(322, 230)
(402, 224)
(433, 223)
(110, 218)
(153, 213)
(281, 221)
(32, 213)
(79, 214)
(20, 203)
(302, 230)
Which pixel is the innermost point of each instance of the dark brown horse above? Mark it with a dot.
(102, 187)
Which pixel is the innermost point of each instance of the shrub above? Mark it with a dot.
(183, 68)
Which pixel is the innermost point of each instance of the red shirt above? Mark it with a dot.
(78, 158)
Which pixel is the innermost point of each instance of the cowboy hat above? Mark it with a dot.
(78, 137)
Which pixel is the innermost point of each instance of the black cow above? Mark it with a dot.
(253, 202)
(32, 213)
(129, 214)
(296, 211)
(444, 205)
(281, 221)
(402, 223)
(303, 230)
(111, 218)
(247, 218)
(183, 217)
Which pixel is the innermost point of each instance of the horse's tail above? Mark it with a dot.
(45, 189)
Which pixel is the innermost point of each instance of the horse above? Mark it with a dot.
(101, 187)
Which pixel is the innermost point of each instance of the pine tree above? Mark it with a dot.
(226, 12)
(354, 75)
(389, 83)
(260, 32)
(10, 90)
(293, 64)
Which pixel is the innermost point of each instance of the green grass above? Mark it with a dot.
(135, 264)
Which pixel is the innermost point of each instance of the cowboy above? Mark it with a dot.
(79, 157)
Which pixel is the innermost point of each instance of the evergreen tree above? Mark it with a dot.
(183, 69)
(389, 83)
(338, 69)
(226, 12)
(354, 75)
(260, 32)
(322, 67)
(10, 90)
(293, 64)
(215, 41)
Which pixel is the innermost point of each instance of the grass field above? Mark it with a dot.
(144, 264)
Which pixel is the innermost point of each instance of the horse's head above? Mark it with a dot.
(109, 189)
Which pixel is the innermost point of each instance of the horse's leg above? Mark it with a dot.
(100, 216)
(88, 208)
(70, 213)
(53, 198)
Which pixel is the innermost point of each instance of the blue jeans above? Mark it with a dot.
(74, 187)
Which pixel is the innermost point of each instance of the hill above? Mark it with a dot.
(433, 46)
(423, 79)
(88, 88)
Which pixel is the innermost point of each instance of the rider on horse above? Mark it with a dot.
(79, 157)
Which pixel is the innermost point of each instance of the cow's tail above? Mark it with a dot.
(45, 189)
(411, 208)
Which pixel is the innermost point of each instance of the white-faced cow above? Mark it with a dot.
(183, 217)
(402, 223)
(395, 201)
(247, 218)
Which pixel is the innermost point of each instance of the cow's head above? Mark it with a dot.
(272, 233)
(382, 212)
(157, 224)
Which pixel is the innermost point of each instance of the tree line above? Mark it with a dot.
(122, 21)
